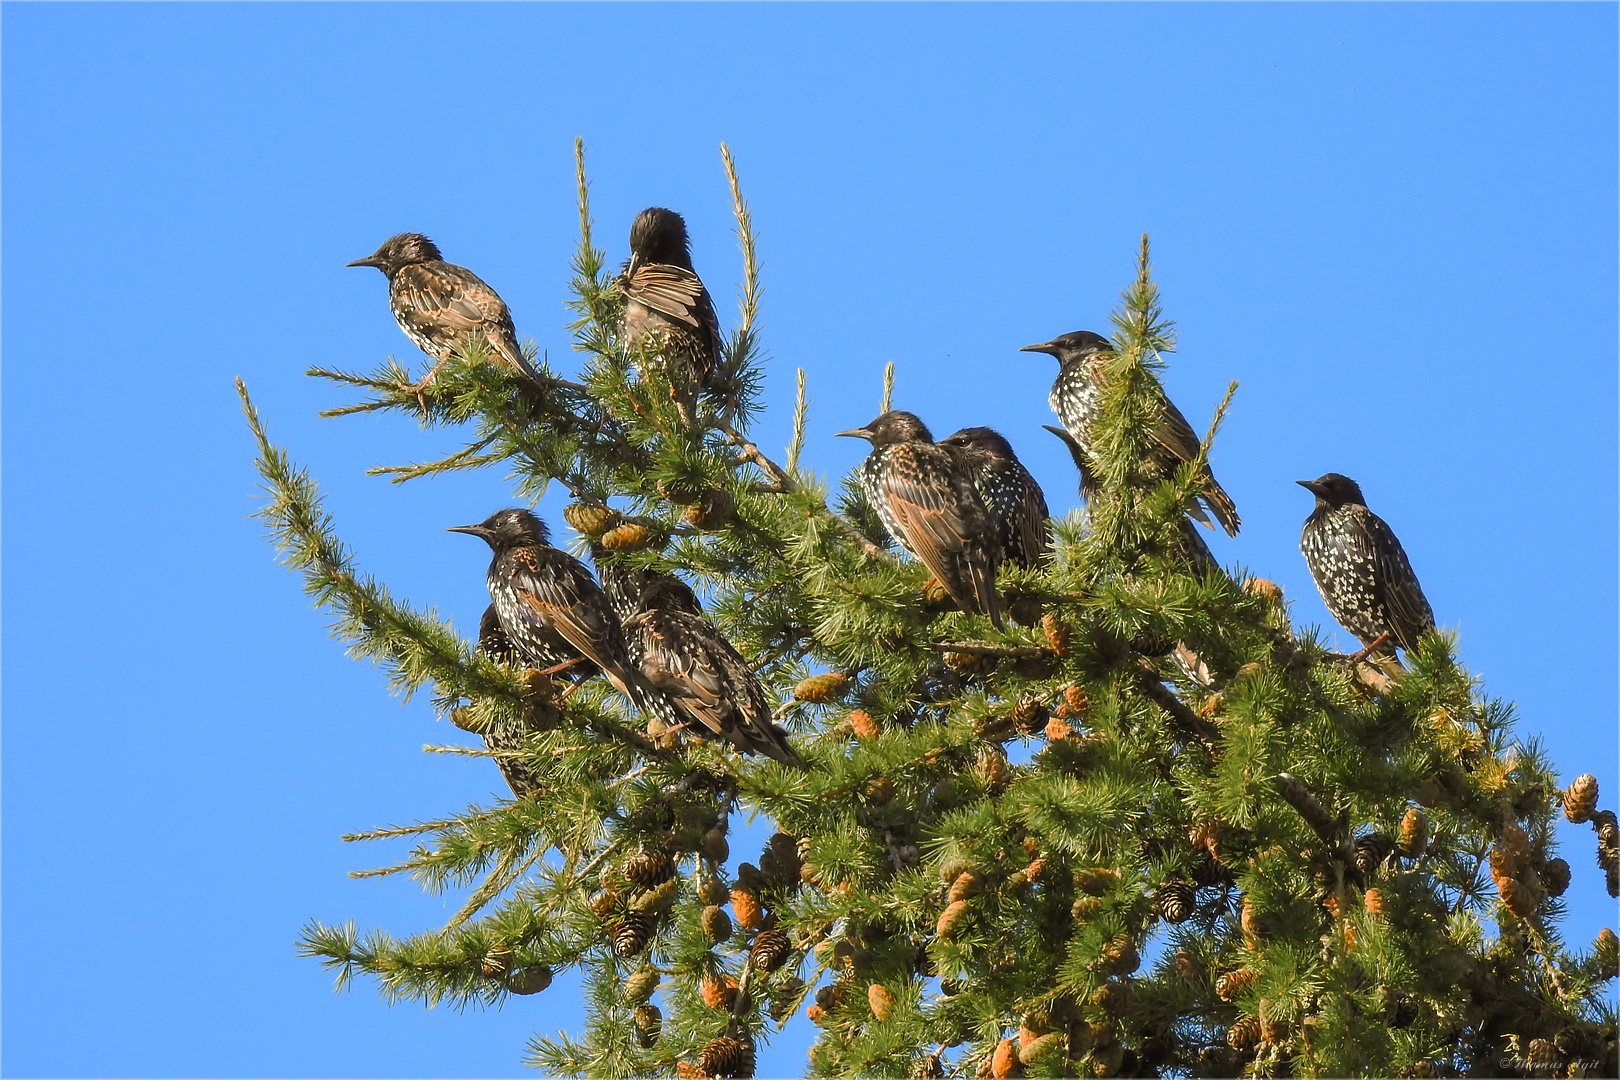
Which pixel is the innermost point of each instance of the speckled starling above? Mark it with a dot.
(440, 305)
(1010, 494)
(929, 505)
(542, 595)
(504, 740)
(1193, 546)
(1359, 567)
(684, 658)
(664, 297)
(1077, 399)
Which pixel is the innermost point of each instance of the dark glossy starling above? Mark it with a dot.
(440, 305)
(1010, 494)
(664, 298)
(684, 657)
(506, 739)
(1077, 399)
(550, 608)
(1359, 567)
(927, 502)
(1194, 548)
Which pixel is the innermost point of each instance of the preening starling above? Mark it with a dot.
(1077, 399)
(1010, 494)
(664, 298)
(440, 305)
(548, 602)
(1359, 567)
(1193, 546)
(698, 672)
(929, 505)
(519, 776)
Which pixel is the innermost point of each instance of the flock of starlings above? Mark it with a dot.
(961, 506)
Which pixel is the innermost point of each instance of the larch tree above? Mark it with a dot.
(1148, 828)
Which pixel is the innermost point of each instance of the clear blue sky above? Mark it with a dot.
(1394, 224)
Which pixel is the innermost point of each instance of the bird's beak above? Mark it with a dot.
(1310, 485)
(471, 530)
(1045, 347)
(369, 260)
(635, 264)
(856, 433)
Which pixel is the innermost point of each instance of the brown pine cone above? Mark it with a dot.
(633, 933)
(789, 864)
(1517, 845)
(770, 950)
(1554, 874)
(1175, 901)
(716, 923)
(818, 688)
(604, 902)
(1232, 983)
(1414, 834)
(1371, 851)
(1189, 966)
(1606, 952)
(1518, 897)
(1580, 798)
(1085, 907)
(966, 884)
(1120, 955)
(659, 898)
(992, 769)
(1076, 701)
(648, 1023)
(1113, 997)
(712, 511)
(639, 986)
(529, 980)
(785, 998)
(1244, 1034)
(880, 1000)
(726, 1056)
(713, 891)
(648, 868)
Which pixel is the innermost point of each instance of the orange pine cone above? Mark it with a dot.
(746, 907)
(951, 919)
(881, 1001)
(1004, 1062)
(966, 884)
(1518, 897)
(1265, 590)
(1074, 698)
(1057, 634)
(861, 720)
(1058, 730)
(1373, 901)
(631, 536)
(717, 992)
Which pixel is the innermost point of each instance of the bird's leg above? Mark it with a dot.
(419, 387)
(1356, 658)
(564, 666)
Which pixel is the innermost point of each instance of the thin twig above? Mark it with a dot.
(888, 388)
(801, 411)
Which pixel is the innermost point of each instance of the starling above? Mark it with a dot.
(683, 657)
(664, 298)
(550, 608)
(519, 776)
(1010, 494)
(1193, 547)
(440, 305)
(1077, 399)
(928, 504)
(1359, 567)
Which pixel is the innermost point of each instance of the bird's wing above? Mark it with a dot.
(436, 297)
(944, 522)
(1409, 611)
(1034, 539)
(676, 293)
(562, 594)
(1178, 437)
